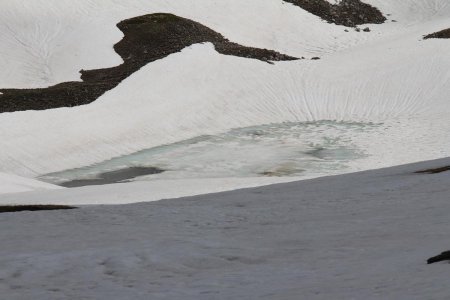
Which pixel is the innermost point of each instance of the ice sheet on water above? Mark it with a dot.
(306, 149)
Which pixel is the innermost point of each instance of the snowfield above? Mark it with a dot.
(10, 184)
(356, 236)
(389, 75)
(132, 192)
(227, 125)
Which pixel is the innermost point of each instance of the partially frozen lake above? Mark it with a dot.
(305, 149)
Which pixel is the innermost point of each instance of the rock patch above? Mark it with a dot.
(443, 34)
(347, 12)
(146, 39)
(441, 257)
(19, 208)
(434, 171)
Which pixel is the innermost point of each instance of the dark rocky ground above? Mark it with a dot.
(146, 38)
(434, 171)
(348, 12)
(19, 208)
(443, 34)
(441, 257)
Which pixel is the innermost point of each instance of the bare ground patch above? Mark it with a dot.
(347, 12)
(441, 257)
(146, 39)
(19, 208)
(443, 34)
(434, 171)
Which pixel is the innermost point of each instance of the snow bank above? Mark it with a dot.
(133, 192)
(16, 184)
(356, 236)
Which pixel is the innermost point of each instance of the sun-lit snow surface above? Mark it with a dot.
(355, 236)
(388, 76)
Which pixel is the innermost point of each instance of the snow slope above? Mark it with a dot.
(133, 192)
(357, 236)
(388, 76)
(46, 42)
(16, 184)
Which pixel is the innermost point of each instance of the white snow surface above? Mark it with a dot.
(133, 192)
(389, 75)
(15, 184)
(363, 235)
(355, 236)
